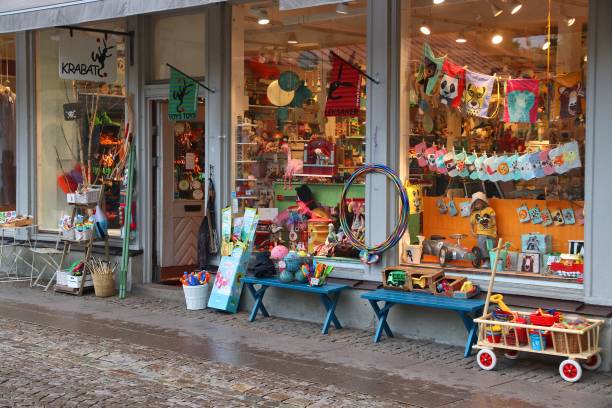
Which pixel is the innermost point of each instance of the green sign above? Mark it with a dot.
(182, 98)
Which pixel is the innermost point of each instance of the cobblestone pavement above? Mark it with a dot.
(41, 365)
(46, 367)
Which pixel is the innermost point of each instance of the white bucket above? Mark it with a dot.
(196, 297)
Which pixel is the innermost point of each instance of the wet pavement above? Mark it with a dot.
(58, 350)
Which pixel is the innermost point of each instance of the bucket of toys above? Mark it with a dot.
(195, 288)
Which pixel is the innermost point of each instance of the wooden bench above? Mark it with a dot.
(467, 309)
(329, 294)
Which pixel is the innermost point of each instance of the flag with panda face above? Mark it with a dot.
(452, 83)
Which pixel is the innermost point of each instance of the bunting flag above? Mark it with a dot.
(521, 100)
(344, 93)
(477, 95)
(429, 70)
(452, 83)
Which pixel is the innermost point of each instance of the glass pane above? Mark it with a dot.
(494, 103)
(7, 123)
(91, 146)
(178, 40)
(189, 164)
(300, 112)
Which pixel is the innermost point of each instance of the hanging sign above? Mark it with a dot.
(344, 94)
(182, 98)
(87, 58)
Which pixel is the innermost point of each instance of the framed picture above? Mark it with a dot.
(529, 262)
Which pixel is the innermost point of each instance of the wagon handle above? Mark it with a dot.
(493, 272)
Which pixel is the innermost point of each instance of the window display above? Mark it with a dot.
(496, 127)
(80, 123)
(299, 104)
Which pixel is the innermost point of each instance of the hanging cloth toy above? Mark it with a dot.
(521, 100)
(429, 70)
(452, 84)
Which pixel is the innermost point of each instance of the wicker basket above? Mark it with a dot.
(104, 284)
(570, 343)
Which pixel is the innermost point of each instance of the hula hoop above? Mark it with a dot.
(402, 224)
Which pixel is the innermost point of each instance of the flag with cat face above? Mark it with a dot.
(477, 94)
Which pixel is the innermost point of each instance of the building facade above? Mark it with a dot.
(268, 66)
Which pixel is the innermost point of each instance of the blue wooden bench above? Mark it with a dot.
(329, 294)
(466, 308)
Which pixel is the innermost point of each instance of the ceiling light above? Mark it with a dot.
(569, 20)
(438, 1)
(424, 29)
(495, 9)
(262, 16)
(461, 38)
(497, 39)
(292, 39)
(546, 45)
(516, 6)
(341, 8)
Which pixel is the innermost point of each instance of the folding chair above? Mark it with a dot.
(50, 258)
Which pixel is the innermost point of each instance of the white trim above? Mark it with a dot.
(47, 7)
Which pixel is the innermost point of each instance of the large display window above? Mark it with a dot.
(494, 114)
(79, 123)
(299, 117)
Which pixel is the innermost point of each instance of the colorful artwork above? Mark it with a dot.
(429, 70)
(521, 100)
(568, 216)
(558, 217)
(536, 215)
(546, 217)
(523, 213)
(477, 95)
(452, 83)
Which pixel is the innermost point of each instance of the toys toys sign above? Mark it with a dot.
(88, 58)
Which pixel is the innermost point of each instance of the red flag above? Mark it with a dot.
(344, 93)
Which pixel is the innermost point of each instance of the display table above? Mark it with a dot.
(467, 309)
(329, 294)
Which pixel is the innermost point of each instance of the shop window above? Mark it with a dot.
(494, 111)
(177, 40)
(8, 101)
(299, 118)
(70, 148)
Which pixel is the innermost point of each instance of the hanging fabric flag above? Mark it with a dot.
(461, 163)
(452, 83)
(440, 164)
(546, 162)
(569, 100)
(429, 70)
(521, 100)
(430, 154)
(513, 169)
(421, 157)
(344, 93)
(182, 97)
(477, 95)
(525, 167)
(470, 165)
(571, 155)
(451, 164)
(503, 168)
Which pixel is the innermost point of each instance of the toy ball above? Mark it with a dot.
(279, 252)
(289, 81)
(293, 262)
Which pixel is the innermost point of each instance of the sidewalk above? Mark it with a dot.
(276, 355)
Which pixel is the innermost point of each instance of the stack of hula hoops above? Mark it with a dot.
(371, 254)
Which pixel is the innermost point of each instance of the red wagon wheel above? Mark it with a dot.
(486, 359)
(570, 370)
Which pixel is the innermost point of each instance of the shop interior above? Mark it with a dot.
(290, 146)
(495, 101)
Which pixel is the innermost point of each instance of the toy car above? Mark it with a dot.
(447, 251)
(396, 278)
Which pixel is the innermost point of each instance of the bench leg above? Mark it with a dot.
(258, 297)
(472, 330)
(382, 319)
(330, 306)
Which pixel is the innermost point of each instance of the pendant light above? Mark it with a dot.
(516, 6)
(262, 16)
(546, 45)
(497, 39)
(438, 1)
(495, 9)
(292, 39)
(461, 38)
(424, 29)
(567, 19)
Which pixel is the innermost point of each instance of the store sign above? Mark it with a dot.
(87, 58)
(182, 97)
(344, 93)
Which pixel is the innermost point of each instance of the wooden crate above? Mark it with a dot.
(385, 275)
(454, 284)
(424, 280)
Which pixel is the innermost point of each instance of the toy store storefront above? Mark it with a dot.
(493, 133)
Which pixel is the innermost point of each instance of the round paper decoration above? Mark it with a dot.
(277, 96)
(302, 94)
(289, 81)
(198, 194)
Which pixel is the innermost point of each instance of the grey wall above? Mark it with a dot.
(598, 227)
